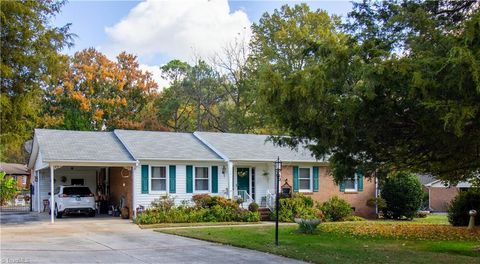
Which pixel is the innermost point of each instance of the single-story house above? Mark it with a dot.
(137, 167)
(19, 172)
(440, 195)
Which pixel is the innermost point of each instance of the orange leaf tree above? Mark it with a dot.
(96, 93)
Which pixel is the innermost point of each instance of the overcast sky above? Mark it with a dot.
(160, 30)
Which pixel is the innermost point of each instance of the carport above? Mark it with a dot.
(97, 160)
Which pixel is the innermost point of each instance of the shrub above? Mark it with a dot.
(421, 214)
(380, 202)
(207, 209)
(207, 201)
(164, 203)
(253, 207)
(403, 196)
(461, 205)
(298, 206)
(8, 188)
(307, 226)
(354, 218)
(336, 209)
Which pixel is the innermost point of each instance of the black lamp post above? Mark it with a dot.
(278, 168)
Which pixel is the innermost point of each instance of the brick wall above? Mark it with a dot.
(121, 185)
(441, 197)
(328, 188)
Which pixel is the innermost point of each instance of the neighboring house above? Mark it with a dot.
(19, 172)
(440, 195)
(140, 166)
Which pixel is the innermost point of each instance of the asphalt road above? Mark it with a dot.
(30, 238)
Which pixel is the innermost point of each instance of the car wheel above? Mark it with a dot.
(91, 214)
(57, 213)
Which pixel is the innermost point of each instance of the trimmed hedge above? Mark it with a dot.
(403, 196)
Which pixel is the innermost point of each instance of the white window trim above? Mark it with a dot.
(355, 181)
(167, 179)
(209, 168)
(310, 169)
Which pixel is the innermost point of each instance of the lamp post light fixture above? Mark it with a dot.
(278, 168)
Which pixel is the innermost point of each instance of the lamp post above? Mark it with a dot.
(278, 168)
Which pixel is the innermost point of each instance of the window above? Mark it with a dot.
(351, 184)
(305, 179)
(77, 181)
(158, 179)
(201, 178)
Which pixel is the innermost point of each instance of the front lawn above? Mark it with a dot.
(336, 243)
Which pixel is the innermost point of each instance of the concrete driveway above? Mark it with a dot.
(30, 238)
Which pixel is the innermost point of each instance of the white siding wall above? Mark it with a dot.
(181, 182)
(263, 183)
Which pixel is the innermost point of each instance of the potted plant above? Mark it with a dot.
(308, 220)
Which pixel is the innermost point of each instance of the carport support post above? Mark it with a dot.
(52, 199)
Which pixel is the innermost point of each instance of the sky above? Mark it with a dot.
(158, 31)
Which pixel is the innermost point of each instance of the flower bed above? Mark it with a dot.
(206, 209)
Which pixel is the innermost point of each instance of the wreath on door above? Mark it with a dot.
(242, 174)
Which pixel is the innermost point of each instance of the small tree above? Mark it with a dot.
(8, 188)
(403, 195)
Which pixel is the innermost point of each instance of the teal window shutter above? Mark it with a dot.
(189, 179)
(172, 178)
(315, 179)
(295, 179)
(342, 186)
(360, 181)
(214, 179)
(144, 178)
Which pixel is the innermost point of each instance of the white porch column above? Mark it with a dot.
(52, 199)
(230, 179)
(37, 193)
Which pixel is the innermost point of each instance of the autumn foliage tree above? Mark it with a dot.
(96, 93)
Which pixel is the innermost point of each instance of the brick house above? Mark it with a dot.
(19, 172)
(440, 195)
(141, 166)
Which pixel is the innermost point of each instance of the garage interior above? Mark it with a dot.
(112, 186)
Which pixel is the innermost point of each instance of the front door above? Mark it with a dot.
(243, 179)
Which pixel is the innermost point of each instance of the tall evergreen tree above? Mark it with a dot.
(30, 59)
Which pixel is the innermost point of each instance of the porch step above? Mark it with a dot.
(264, 214)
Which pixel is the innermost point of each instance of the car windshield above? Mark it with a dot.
(76, 191)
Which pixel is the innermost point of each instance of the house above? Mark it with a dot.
(19, 172)
(136, 167)
(440, 195)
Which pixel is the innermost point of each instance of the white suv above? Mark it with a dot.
(74, 199)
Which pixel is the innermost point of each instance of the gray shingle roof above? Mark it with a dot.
(58, 145)
(151, 145)
(253, 147)
(14, 168)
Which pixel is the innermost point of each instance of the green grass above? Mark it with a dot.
(439, 219)
(327, 247)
